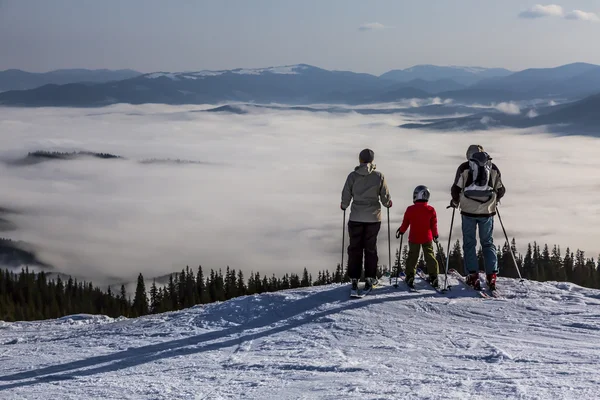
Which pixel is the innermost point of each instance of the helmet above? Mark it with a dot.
(421, 193)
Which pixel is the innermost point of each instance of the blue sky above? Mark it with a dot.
(371, 36)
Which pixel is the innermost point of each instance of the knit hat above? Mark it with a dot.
(366, 156)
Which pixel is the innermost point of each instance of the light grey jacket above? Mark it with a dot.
(365, 187)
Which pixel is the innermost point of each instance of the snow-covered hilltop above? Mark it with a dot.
(282, 70)
(541, 342)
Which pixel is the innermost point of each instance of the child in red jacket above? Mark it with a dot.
(422, 219)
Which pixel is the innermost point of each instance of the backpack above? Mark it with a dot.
(480, 176)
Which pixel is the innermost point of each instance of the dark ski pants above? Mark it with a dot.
(413, 258)
(363, 242)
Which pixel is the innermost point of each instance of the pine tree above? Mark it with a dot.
(528, 263)
(295, 281)
(404, 255)
(172, 292)
(305, 282)
(556, 265)
(202, 294)
(154, 304)
(598, 273)
(285, 282)
(536, 263)
(568, 264)
(544, 272)
(579, 271)
(338, 274)
(241, 286)
(456, 258)
(440, 256)
(123, 301)
(140, 301)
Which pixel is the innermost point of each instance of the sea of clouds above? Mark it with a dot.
(264, 194)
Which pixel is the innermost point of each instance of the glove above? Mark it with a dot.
(342, 207)
(453, 204)
(398, 233)
(436, 239)
(389, 204)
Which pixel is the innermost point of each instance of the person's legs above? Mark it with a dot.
(430, 260)
(469, 227)
(355, 249)
(486, 238)
(370, 233)
(412, 260)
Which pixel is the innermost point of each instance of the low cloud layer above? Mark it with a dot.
(553, 10)
(508, 108)
(267, 198)
(372, 26)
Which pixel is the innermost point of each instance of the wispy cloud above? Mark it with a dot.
(579, 15)
(554, 10)
(372, 26)
(541, 11)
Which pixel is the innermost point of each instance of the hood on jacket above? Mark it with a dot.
(365, 169)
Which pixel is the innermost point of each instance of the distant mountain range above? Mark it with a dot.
(305, 84)
(15, 79)
(578, 117)
(461, 75)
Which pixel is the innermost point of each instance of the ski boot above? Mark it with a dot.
(433, 281)
(368, 284)
(491, 281)
(473, 280)
(354, 289)
(410, 281)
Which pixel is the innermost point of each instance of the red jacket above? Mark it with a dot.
(422, 219)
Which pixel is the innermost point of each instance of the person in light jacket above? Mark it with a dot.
(366, 189)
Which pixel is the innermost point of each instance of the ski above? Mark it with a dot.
(484, 288)
(360, 293)
(401, 278)
(463, 280)
(424, 277)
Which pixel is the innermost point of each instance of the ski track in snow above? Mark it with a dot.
(539, 342)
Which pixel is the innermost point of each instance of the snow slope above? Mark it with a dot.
(541, 342)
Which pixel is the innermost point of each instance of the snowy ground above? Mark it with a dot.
(541, 342)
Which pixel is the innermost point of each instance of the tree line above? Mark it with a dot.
(29, 295)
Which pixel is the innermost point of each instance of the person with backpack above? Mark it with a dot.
(422, 220)
(367, 189)
(477, 189)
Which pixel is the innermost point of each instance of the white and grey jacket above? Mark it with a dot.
(471, 207)
(365, 187)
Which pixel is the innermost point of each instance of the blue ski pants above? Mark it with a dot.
(486, 233)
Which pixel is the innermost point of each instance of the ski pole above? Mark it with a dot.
(389, 242)
(399, 268)
(448, 253)
(343, 237)
(509, 246)
(439, 249)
